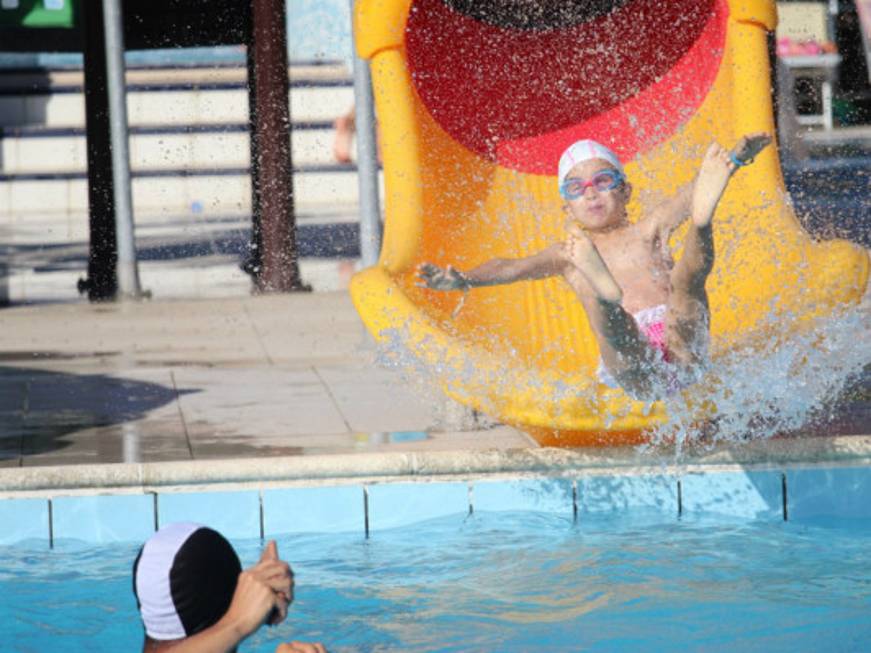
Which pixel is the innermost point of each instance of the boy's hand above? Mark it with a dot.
(433, 277)
(263, 594)
(751, 145)
(279, 576)
(253, 601)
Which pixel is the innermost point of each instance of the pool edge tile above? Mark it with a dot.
(394, 505)
(30, 519)
(328, 509)
(751, 494)
(234, 514)
(610, 494)
(553, 495)
(839, 492)
(103, 518)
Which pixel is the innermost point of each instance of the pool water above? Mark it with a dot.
(500, 582)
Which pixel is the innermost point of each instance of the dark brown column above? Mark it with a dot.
(254, 259)
(101, 283)
(273, 259)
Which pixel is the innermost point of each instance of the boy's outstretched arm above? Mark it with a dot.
(669, 215)
(549, 262)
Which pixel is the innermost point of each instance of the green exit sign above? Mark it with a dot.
(36, 13)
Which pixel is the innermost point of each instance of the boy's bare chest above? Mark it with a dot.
(640, 266)
(633, 253)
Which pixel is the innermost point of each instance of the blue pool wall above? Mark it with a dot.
(793, 494)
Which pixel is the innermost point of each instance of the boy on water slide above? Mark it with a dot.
(649, 314)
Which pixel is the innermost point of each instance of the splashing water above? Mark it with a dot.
(758, 392)
(789, 387)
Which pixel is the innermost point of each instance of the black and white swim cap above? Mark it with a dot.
(184, 578)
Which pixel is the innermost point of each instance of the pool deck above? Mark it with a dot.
(212, 388)
(206, 379)
(209, 379)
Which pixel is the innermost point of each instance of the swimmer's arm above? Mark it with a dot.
(549, 262)
(219, 638)
(263, 593)
(671, 214)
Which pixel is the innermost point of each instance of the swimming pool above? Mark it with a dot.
(502, 582)
(706, 557)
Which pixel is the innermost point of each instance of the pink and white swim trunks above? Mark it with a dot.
(651, 324)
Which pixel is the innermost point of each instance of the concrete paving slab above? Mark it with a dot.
(254, 402)
(103, 397)
(148, 332)
(135, 441)
(317, 328)
(235, 446)
(359, 392)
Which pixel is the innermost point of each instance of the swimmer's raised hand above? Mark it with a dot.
(263, 594)
(750, 145)
(278, 575)
(435, 278)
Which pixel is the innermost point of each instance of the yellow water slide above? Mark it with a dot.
(476, 99)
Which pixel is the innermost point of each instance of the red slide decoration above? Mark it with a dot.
(521, 96)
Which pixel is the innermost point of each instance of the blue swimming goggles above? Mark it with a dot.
(602, 181)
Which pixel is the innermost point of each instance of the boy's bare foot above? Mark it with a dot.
(717, 166)
(710, 183)
(582, 253)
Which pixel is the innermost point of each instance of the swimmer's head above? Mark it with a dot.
(585, 150)
(593, 184)
(184, 579)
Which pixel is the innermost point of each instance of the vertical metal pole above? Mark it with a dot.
(367, 160)
(101, 283)
(128, 274)
(826, 92)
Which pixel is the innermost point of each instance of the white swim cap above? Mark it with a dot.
(584, 151)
